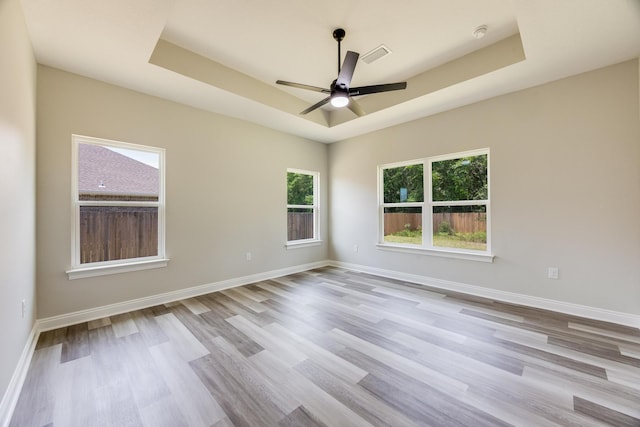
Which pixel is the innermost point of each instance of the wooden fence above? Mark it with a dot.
(394, 222)
(466, 222)
(299, 225)
(117, 232)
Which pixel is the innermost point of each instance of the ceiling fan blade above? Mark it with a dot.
(355, 107)
(303, 86)
(366, 90)
(348, 67)
(316, 105)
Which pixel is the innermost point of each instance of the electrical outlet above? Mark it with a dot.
(24, 307)
(553, 273)
(355, 248)
(248, 256)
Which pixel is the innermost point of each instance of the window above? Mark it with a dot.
(403, 203)
(437, 204)
(302, 206)
(118, 206)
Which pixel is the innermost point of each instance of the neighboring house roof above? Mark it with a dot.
(103, 171)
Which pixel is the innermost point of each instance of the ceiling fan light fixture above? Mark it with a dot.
(339, 100)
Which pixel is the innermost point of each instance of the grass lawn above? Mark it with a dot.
(441, 240)
(411, 240)
(455, 242)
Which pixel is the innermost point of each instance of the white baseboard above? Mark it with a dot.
(74, 318)
(510, 297)
(589, 312)
(10, 399)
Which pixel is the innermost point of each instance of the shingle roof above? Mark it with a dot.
(102, 171)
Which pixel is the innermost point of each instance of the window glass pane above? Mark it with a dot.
(106, 173)
(299, 189)
(299, 224)
(403, 184)
(461, 227)
(117, 232)
(403, 225)
(464, 178)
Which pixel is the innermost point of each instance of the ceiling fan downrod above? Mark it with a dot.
(338, 35)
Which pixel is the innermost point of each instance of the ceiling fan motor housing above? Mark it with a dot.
(340, 92)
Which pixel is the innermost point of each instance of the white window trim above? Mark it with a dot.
(303, 243)
(437, 251)
(103, 270)
(427, 211)
(316, 240)
(78, 270)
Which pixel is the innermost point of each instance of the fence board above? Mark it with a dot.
(394, 222)
(461, 222)
(299, 225)
(117, 232)
(464, 222)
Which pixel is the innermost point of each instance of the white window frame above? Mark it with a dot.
(315, 240)
(427, 248)
(79, 270)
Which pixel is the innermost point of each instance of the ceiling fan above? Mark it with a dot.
(340, 92)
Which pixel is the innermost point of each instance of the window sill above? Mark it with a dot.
(470, 256)
(103, 270)
(297, 244)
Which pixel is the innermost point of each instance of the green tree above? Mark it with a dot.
(404, 184)
(299, 189)
(460, 179)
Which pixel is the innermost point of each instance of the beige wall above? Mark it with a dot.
(565, 187)
(225, 191)
(17, 187)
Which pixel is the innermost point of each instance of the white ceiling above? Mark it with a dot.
(260, 41)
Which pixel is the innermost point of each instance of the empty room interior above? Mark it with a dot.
(320, 213)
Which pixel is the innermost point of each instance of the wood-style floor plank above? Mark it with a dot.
(163, 413)
(76, 343)
(75, 383)
(195, 306)
(142, 372)
(182, 340)
(147, 326)
(318, 402)
(353, 396)
(199, 408)
(287, 352)
(300, 417)
(38, 397)
(115, 405)
(123, 325)
(333, 347)
(604, 413)
(241, 391)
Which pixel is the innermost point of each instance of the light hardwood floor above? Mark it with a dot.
(332, 347)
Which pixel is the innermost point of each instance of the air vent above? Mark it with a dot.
(377, 53)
